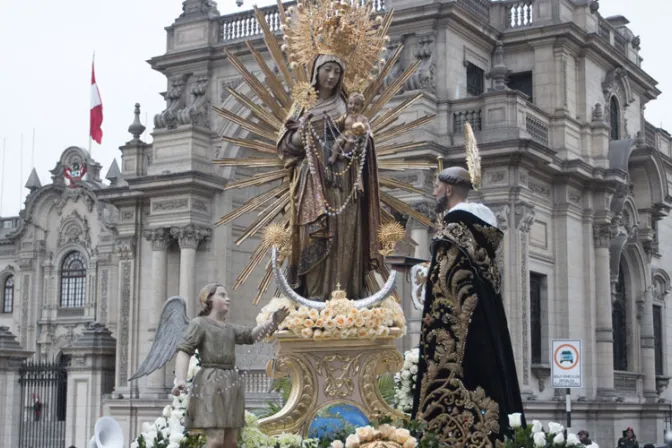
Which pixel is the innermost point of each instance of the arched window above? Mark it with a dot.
(619, 324)
(73, 280)
(614, 118)
(8, 295)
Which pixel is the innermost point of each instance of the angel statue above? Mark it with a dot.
(217, 402)
(326, 188)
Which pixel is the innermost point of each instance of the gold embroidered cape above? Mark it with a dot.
(466, 383)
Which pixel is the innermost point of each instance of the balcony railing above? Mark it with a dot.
(536, 124)
(244, 25)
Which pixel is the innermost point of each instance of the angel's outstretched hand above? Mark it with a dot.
(280, 315)
(179, 388)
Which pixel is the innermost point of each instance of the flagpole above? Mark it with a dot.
(32, 152)
(2, 181)
(21, 174)
(93, 61)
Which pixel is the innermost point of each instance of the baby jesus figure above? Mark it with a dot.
(355, 125)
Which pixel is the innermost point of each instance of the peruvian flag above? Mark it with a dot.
(96, 130)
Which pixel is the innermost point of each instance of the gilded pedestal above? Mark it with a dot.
(328, 372)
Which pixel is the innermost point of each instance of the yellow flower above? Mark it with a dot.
(411, 442)
(371, 323)
(319, 323)
(401, 435)
(386, 431)
(354, 312)
(365, 434)
(303, 310)
(307, 333)
(362, 332)
(326, 313)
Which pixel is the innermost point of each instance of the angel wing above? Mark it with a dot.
(172, 324)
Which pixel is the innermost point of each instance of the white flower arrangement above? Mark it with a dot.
(534, 436)
(252, 437)
(339, 320)
(367, 434)
(168, 431)
(405, 381)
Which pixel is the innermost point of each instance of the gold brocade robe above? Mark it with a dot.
(467, 383)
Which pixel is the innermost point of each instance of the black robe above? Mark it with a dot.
(466, 382)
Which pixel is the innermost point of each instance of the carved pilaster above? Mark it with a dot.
(524, 215)
(160, 238)
(602, 235)
(126, 247)
(189, 237)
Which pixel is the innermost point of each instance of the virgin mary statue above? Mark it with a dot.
(327, 205)
(337, 211)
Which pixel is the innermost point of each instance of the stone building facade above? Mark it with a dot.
(576, 175)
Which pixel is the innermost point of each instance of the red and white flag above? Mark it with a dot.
(96, 131)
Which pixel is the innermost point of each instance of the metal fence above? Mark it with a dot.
(43, 404)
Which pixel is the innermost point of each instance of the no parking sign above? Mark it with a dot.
(566, 361)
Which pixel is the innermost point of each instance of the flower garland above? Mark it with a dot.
(385, 432)
(534, 435)
(405, 381)
(339, 320)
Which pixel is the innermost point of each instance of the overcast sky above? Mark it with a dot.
(46, 53)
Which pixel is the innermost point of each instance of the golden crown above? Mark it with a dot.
(346, 29)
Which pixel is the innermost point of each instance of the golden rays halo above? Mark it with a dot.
(353, 25)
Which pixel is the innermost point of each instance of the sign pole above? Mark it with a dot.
(568, 403)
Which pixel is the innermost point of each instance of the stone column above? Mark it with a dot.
(90, 376)
(189, 238)
(604, 336)
(160, 238)
(11, 358)
(647, 339)
(420, 233)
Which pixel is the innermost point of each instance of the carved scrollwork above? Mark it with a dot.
(74, 229)
(302, 398)
(375, 364)
(174, 103)
(602, 235)
(423, 78)
(160, 238)
(126, 247)
(197, 112)
(338, 371)
(524, 217)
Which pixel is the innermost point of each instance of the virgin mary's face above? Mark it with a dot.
(328, 75)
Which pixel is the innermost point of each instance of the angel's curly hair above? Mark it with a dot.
(205, 297)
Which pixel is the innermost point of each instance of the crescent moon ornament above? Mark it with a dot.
(287, 291)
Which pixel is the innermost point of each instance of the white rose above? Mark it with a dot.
(173, 445)
(555, 428)
(537, 426)
(134, 445)
(515, 420)
(149, 438)
(337, 444)
(539, 440)
(407, 365)
(559, 439)
(160, 422)
(573, 440)
(405, 375)
(176, 436)
(146, 427)
(352, 441)
(414, 369)
(593, 445)
(167, 411)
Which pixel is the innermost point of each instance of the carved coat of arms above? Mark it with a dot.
(74, 173)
